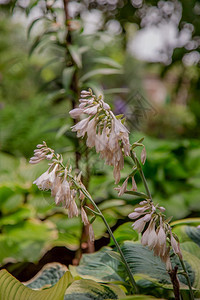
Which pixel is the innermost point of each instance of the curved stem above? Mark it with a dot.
(139, 168)
(187, 278)
(122, 255)
(136, 161)
(132, 280)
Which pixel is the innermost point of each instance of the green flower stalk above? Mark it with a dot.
(109, 136)
(67, 189)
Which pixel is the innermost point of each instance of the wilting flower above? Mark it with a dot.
(104, 131)
(175, 245)
(84, 216)
(121, 190)
(91, 234)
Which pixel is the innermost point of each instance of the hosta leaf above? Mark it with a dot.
(100, 266)
(189, 221)
(48, 276)
(22, 213)
(5, 193)
(194, 234)
(67, 77)
(193, 267)
(26, 240)
(69, 231)
(12, 289)
(86, 289)
(125, 232)
(107, 61)
(188, 233)
(33, 23)
(12, 203)
(139, 297)
(191, 247)
(111, 204)
(76, 55)
(116, 91)
(103, 71)
(142, 262)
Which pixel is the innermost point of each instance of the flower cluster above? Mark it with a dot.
(42, 152)
(104, 131)
(156, 233)
(64, 187)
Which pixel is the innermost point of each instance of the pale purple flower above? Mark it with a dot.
(91, 110)
(162, 209)
(153, 238)
(147, 217)
(104, 131)
(76, 112)
(46, 180)
(91, 234)
(175, 245)
(141, 209)
(84, 216)
(81, 127)
(143, 155)
(139, 225)
(134, 215)
(121, 190)
(134, 185)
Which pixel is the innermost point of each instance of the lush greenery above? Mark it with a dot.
(40, 80)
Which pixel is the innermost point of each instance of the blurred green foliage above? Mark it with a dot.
(36, 93)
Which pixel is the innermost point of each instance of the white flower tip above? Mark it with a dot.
(40, 146)
(106, 106)
(143, 156)
(49, 156)
(147, 217)
(133, 215)
(143, 202)
(162, 209)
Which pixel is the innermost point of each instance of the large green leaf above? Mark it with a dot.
(125, 232)
(47, 277)
(193, 268)
(139, 297)
(189, 221)
(12, 289)
(69, 231)
(86, 289)
(26, 240)
(142, 262)
(22, 213)
(191, 247)
(100, 266)
(188, 233)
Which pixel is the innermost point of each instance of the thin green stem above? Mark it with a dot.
(111, 235)
(187, 278)
(136, 161)
(138, 165)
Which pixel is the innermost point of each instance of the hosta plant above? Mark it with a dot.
(161, 260)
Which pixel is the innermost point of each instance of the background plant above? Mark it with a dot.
(34, 106)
